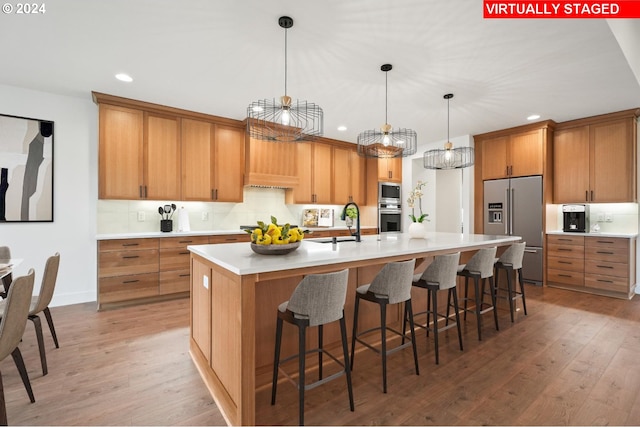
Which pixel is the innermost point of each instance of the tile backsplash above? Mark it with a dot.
(139, 216)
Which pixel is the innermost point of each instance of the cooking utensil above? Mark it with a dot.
(173, 209)
(161, 211)
(167, 211)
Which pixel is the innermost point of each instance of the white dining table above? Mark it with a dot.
(8, 265)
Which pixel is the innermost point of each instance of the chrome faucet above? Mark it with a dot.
(344, 214)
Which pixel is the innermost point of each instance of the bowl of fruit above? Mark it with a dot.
(274, 239)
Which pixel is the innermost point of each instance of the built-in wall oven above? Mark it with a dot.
(389, 207)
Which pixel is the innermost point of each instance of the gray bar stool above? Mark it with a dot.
(440, 275)
(392, 285)
(317, 300)
(511, 263)
(480, 268)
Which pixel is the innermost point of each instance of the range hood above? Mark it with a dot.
(271, 164)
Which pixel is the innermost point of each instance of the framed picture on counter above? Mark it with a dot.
(310, 218)
(26, 169)
(325, 219)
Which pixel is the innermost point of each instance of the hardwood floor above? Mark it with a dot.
(574, 360)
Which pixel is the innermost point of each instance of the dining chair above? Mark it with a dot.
(12, 328)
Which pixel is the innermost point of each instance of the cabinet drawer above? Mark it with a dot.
(607, 283)
(230, 238)
(565, 239)
(567, 264)
(567, 277)
(183, 242)
(172, 282)
(121, 263)
(174, 259)
(124, 288)
(601, 253)
(565, 251)
(607, 268)
(607, 242)
(127, 245)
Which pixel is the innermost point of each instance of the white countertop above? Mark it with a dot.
(239, 259)
(151, 234)
(598, 234)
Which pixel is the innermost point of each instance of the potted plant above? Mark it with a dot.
(350, 214)
(416, 228)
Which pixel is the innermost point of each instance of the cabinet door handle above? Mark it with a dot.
(216, 193)
(564, 250)
(564, 240)
(605, 281)
(586, 195)
(184, 253)
(185, 275)
(564, 262)
(140, 191)
(592, 195)
(604, 252)
(564, 275)
(130, 257)
(130, 244)
(185, 241)
(606, 241)
(130, 281)
(604, 266)
(212, 196)
(145, 192)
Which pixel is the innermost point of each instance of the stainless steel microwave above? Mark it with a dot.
(389, 192)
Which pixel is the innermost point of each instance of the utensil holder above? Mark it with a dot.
(166, 225)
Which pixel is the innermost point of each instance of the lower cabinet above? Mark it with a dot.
(594, 264)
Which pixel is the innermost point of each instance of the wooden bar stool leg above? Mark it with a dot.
(17, 358)
(37, 324)
(524, 301)
(347, 369)
(355, 330)
(383, 337)
(478, 306)
(276, 361)
(301, 367)
(409, 311)
(466, 295)
(510, 292)
(454, 293)
(319, 352)
(435, 323)
(493, 301)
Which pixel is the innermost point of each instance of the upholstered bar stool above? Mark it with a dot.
(392, 285)
(479, 268)
(511, 263)
(317, 300)
(440, 275)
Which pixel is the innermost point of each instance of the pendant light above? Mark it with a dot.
(387, 142)
(284, 119)
(449, 157)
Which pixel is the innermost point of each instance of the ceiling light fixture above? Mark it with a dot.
(533, 117)
(387, 142)
(284, 119)
(124, 77)
(449, 157)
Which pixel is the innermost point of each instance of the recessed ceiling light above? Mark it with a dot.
(342, 128)
(533, 117)
(124, 77)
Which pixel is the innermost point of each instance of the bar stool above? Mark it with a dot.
(392, 285)
(480, 268)
(317, 300)
(511, 263)
(440, 275)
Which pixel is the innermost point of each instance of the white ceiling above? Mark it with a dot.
(217, 56)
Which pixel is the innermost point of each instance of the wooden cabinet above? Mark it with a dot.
(127, 269)
(513, 155)
(595, 160)
(174, 263)
(139, 155)
(314, 169)
(389, 169)
(600, 265)
(212, 161)
(348, 176)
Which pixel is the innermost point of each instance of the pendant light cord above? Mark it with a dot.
(448, 99)
(285, 61)
(386, 96)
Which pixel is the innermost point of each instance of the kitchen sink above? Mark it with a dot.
(330, 240)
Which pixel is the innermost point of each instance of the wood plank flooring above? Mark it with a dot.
(574, 360)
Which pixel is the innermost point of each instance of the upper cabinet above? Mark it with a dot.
(314, 169)
(390, 169)
(212, 161)
(513, 155)
(595, 159)
(348, 176)
(271, 163)
(149, 151)
(139, 155)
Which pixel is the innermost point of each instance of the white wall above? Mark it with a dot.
(72, 233)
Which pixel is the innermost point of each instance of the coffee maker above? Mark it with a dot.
(575, 218)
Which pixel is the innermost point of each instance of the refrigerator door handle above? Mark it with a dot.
(531, 251)
(508, 214)
(511, 207)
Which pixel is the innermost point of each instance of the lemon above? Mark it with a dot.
(281, 240)
(293, 236)
(273, 231)
(300, 233)
(264, 240)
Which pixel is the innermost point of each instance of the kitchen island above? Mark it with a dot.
(235, 294)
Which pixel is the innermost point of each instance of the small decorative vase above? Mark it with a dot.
(348, 221)
(417, 230)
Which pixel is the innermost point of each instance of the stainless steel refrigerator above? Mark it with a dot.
(513, 207)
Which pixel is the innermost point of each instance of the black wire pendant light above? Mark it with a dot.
(284, 119)
(386, 141)
(449, 157)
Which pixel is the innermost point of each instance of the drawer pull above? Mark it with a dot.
(605, 281)
(565, 250)
(606, 241)
(564, 262)
(565, 275)
(604, 266)
(565, 240)
(130, 256)
(131, 281)
(604, 252)
(130, 244)
(185, 275)
(185, 241)
(231, 239)
(184, 253)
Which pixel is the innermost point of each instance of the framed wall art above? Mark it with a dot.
(26, 169)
